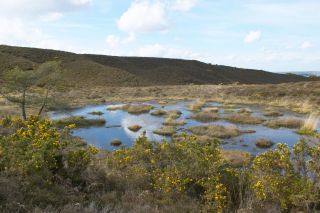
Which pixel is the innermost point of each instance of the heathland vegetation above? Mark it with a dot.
(43, 168)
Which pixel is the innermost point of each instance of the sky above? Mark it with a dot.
(273, 35)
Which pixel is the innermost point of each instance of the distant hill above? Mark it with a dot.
(307, 73)
(85, 70)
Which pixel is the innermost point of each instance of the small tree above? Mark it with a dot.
(17, 82)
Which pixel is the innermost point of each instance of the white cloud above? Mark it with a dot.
(305, 45)
(51, 17)
(184, 5)
(252, 36)
(17, 32)
(114, 42)
(144, 16)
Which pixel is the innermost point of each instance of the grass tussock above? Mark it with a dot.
(236, 158)
(96, 113)
(79, 121)
(134, 128)
(229, 106)
(264, 143)
(310, 125)
(137, 108)
(158, 112)
(215, 131)
(197, 105)
(173, 114)
(245, 110)
(166, 130)
(292, 123)
(205, 116)
(174, 122)
(116, 142)
(114, 108)
(273, 113)
(211, 109)
(244, 118)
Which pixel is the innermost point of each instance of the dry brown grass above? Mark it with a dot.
(273, 113)
(215, 131)
(165, 130)
(116, 142)
(173, 122)
(264, 143)
(158, 112)
(205, 116)
(137, 108)
(284, 122)
(173, 114)
(134, 128)
(244, 118)
(211, 109)
(196, 105)
(245, 110)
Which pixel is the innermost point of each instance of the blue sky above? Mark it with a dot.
(274, 35)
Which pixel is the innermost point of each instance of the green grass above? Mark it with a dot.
(79, 121)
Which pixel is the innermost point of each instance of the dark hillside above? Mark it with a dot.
(99, 70)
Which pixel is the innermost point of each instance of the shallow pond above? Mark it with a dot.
(118, 121)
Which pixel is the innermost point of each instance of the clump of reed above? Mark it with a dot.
(310, 125)
(290, 122)
(165, 130)
(264, 143)
(216, 131)
(137, 108)
(244, 118)
(205, 116)
(134, 128)
(79, 121)
(197, 105)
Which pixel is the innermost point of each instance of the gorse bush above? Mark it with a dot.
(45, 169)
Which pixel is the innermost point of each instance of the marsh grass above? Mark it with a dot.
(244, 118)
(205, 116)
(211, 109)
(215, 131)
(173, 122)
(273, 113)
(158, 112)
(79, 121)
(264, 143)
(229, 106)
(137, 108)
(134, 128)
(116, 142)
(197, 105)
(236, 158)
(96, 113)
(291, 122)
(310, 125)
(245, 110)
(173, 114)
(114, 108)
(165, 130)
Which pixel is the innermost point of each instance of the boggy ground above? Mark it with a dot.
(302, 97)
